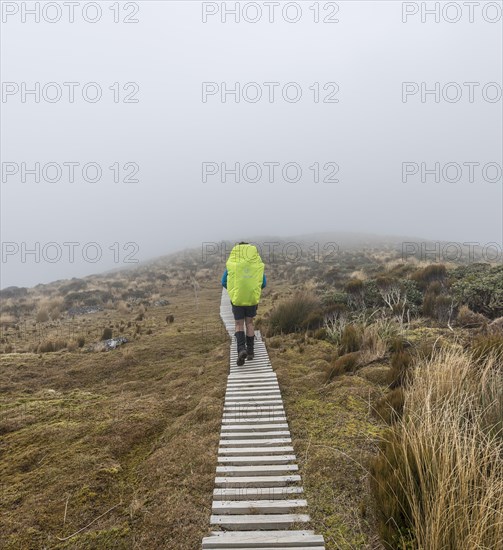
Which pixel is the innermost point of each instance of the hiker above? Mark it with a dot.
(244, 280)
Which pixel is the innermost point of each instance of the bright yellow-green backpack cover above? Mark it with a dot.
(245, 272)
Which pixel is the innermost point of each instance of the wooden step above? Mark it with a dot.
(249, 451)
(252, 396)
(258, 443)
(260, 470)
(266, 426)
(254, 408)
(254, 386)
(252, 377)
(237, 418)
(247, 400)
(255, 419)
(245, 540)
(256, 459)
(250, 367)
(278, 416)
(285, 506)
(258, 521)
(245, 391)
(235, 369)
(256, 481)
(250, 435)
(240, 412)
(257, 493)
(263, 372)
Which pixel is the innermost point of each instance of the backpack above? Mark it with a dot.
(245, 272)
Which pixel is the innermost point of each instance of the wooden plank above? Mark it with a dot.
(256, 459)
(250, 413)
(262, 443)
(279, 506)
(253, 385)
(250, 403)
(247, 376)
(256, 493)
(239, 418)
(257, 412)
(273, 469)
(267, 396)
(246, 396)
(253, 402)
(233, 420)
(257, 481)
(253, 407)
(255, 547)
(252, 382)
(254, 427)
(276, 398)
(250, 366)
(250, 378)
(260, 407)
(234, 368)
(245, 540)
(258, 371)
(252, 388)
(267, 399)
(258, 521)
(250, 435)
(249, 451)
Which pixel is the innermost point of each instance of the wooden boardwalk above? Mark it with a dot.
(258, 497)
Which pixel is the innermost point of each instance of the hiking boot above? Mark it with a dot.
(249, 347)
(241, 346)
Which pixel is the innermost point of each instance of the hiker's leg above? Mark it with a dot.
(250, 337)
(250, 331)
(239, 319)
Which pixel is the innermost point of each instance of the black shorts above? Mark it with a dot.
(240, 312)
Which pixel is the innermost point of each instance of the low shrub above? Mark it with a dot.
(429, 274)
(300, 312)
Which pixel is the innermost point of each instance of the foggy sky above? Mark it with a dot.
(170, 132)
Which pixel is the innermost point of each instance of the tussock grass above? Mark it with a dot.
(438, 479)
(300, 312)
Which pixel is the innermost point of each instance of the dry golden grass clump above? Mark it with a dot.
(438, 479)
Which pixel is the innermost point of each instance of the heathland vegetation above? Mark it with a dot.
(391, 373)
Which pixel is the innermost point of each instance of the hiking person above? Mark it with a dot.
(244, 280)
